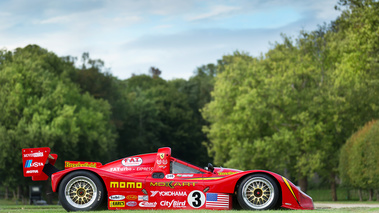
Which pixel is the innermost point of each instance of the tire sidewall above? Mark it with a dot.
(99, 195)
(274, 201)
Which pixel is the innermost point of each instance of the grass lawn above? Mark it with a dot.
(11, 207)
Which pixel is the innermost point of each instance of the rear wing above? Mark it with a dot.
(36, 162)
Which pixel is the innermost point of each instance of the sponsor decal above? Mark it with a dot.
(116, 197)
(143, 198)
(173, 203)
(34, 155)
(170, 176)
(147, 169)
(127, 169)
(126, 185)
(173, 184)
(31, 171)
(131, 203)
(148, 204)
(185, 175)
(161, 155)
(131, 197)
(227, 173)
(29, 163)
(68, 164)
(168, 193)
(118, 169)
(134, 161)
(217, 200)
(117, 204)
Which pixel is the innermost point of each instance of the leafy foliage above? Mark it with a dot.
(291, 110)
(359, 158)
(40, 107)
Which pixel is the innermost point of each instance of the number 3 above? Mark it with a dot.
(196, 199)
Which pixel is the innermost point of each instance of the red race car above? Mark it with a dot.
(160, 181)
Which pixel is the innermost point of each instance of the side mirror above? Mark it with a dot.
(210, 167)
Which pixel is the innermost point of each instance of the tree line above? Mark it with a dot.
(84, 113)
(289, 110)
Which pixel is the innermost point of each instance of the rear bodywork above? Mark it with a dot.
(159, 181)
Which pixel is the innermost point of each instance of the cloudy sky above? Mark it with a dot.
(177, 36)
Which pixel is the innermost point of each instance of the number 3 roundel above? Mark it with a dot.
(196, 199)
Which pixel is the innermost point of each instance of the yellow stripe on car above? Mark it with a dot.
(290, 188)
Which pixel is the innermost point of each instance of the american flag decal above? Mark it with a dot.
(217, 200)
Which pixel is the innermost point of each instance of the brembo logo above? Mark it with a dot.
(131, 197)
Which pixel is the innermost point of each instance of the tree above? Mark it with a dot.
(159, 115)
(359, 158)
(155, 72)
(42, 107)
(261, 107)
(300, 99)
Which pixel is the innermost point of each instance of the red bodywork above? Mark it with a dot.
(159, 181)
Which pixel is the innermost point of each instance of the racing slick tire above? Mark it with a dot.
(81, 191)
(258, 192)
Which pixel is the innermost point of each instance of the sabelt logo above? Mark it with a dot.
(127, 185)
(116, 197)
(34, 155)
(172, 184)
(132, 197)
(148, 204)
(135, 161)
(31, 171)
(117, 204)
(168, 193)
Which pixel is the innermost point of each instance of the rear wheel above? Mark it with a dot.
(81, 191)
(258, 192)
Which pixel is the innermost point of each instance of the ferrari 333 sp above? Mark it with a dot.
(160, 181)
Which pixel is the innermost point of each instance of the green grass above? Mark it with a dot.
(12, 208)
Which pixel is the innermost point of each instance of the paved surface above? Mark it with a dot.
(344, 205)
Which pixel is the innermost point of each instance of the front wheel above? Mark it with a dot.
(258, 192)
(81, 191)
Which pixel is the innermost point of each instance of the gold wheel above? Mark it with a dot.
(258, 192)
(80, 192)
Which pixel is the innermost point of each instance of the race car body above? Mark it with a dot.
(160, 181)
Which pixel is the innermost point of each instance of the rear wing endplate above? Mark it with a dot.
(34, 161)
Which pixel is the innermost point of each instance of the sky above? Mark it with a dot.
(176, 36)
